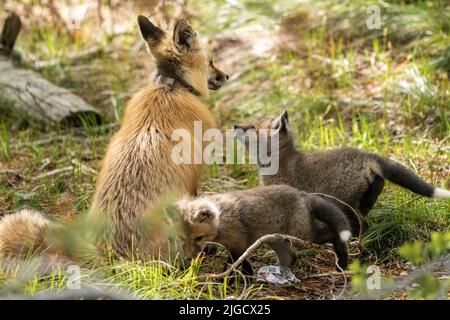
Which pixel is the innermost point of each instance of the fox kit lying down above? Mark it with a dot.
(237, 219)
(351, 175)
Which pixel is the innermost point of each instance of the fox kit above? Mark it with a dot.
(351, 175)
(237, 219)
(137, 169)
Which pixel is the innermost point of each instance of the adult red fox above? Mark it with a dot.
(137, 170)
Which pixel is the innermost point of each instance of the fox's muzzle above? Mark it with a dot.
(216, 82)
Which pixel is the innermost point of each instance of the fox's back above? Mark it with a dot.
(138, 167)
(267, 209)
(343, 173)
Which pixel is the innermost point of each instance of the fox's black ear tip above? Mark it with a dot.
(182, 23)
(144, 21)
(149, 31)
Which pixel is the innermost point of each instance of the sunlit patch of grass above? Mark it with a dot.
(140, 280)
(340, 82)
(404, 218)
(5, 143)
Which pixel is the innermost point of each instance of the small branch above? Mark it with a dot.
(408, 280)
(276, 237)
(53, 173)
(342, 273)
(14, 172)
(327, 274)
(75, 163)
(84, 167)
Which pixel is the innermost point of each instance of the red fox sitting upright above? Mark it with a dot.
(137, 170)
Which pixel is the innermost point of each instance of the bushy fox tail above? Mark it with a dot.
(332, 216)
(336, 220)
(400, 175)
(23, 233)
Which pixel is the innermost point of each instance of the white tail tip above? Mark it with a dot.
(440, 193)
(345, 235)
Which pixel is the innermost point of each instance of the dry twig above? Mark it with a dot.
(276, 237)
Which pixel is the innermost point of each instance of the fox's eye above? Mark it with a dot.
(198, 239)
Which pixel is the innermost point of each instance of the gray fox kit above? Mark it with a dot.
(351, 175)
(237, 219)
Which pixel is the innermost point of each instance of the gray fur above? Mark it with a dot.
(351, 175)
(242, 217)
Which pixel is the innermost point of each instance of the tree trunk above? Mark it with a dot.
(11, 29)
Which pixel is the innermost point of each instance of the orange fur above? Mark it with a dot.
(137, 171)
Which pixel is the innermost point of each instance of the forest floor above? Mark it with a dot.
(384, 90)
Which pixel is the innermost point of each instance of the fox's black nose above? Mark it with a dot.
(221, 78)
(217, 82)
(227, 76)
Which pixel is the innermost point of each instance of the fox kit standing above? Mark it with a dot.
(137, 170)
(351, 175)
(237, 219)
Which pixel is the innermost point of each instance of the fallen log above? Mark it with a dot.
(29, 93)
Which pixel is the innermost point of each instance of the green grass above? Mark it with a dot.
(384, 91)
(134, 279)
(5, 144)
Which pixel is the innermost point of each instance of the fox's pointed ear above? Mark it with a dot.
(149, 31)
(285, 116)
(184, 36)
(206, 213)
(282, 122)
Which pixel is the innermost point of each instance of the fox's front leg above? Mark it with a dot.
(285, 253)
(247, 268)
